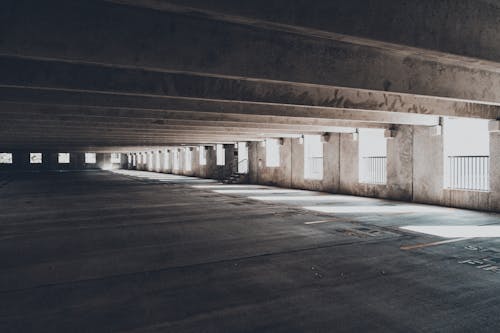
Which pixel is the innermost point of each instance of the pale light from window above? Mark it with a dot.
(63, 158)
(466, 154)
(35, 158)
(115, 158)
(150, 159)
(221, 155)
(5, 158)
(167, 159)
(188, 159)
(157, 159)
(313, 157)
(203, 156)
(90, 158)
(242, 157)
(272, 153)
(372, 156)
(175, 158)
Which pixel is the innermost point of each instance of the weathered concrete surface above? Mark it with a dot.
(83, 31)
(165, 257)
(462, 27)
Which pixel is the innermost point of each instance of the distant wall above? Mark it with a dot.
(21, 162)
(414, 169)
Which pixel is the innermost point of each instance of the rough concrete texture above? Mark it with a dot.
(162, 256)
(414, 169)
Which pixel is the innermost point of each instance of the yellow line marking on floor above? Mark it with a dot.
(419, 246)
(322, 221)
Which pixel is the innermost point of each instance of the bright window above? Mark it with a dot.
(166, 161)
(221, 155)
(372, 156)
(272, 153)
(157, 159)
(5, 158)
(203, 156)
(150, 159)
(467, 154)
(188, 161)
(242, 157)
(90, 158)
(313, 157)
(115, 158)
(175, 157)
(35, 158)
(63, 158)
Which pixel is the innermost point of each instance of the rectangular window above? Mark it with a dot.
(467, 154)
(90, 158)
(134, 160)
(175, 158)
(157, 160)
(372, 156)
(35, 158)
(272, 152)
(313, 157)
(203, 156)
(188, 159)
(150, 159)
(5, 158)
(63, 158)
(167, 159)
(115, 158)
(221, 155)
(242, 157)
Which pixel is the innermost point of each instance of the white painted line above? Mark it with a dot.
(419, 246)
(322, 221)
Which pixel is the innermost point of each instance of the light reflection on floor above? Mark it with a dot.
(457, 231)
(446, 222)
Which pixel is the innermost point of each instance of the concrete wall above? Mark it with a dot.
(21, 162)
(415, 169)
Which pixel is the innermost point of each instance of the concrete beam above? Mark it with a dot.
(462, 27)
(152, 104)
(50, 74)
(84, 31)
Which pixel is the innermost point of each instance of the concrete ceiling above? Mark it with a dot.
(108, 75)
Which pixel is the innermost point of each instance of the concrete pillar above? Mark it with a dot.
(428, 166)
(349, 174)
(400, 164)
(253, 162)
(494, 127)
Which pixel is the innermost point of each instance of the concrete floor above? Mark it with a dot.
(144, 252)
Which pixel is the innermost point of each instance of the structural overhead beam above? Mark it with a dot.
(83, 30)
(154, 106)
(457, 30)
(33, 73)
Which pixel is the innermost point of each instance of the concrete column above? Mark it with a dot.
(494, 127)
(195, 158)
(253, 162)
(349, 174)
(428, 168)
(400, 164)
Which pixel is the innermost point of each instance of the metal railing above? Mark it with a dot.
(314, 169)
(468, 173)
(373, 170)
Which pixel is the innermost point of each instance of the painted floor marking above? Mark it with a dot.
(321, 221)
(419, 246)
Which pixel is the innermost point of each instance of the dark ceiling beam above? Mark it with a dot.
(455, 30)
(154, 105)
(93, 31)
(49, 74)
